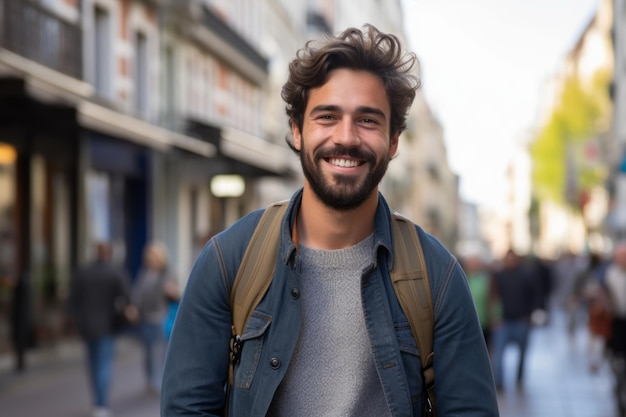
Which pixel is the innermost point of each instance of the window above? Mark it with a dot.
(169, 98)
(102, 52)
(141, 74)
(8, 239)
(98, 203)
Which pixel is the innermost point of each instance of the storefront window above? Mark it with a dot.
(98, 186)
(50, 237)
(8, 242)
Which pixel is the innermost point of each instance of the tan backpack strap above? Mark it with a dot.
(410, 281)
(255, 273)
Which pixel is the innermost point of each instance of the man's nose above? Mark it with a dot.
(347, 133)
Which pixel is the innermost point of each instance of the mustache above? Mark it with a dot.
(340, 150)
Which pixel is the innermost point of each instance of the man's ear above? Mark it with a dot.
(393, 145)
(297, 136)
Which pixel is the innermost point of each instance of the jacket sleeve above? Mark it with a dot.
(463, 378)
(196, 365)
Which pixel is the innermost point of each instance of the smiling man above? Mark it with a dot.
(329, 337)
(348, 143)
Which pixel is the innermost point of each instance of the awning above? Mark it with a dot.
(49, 86)
(100, 118)
(254, 151)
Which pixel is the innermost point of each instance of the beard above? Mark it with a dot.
(347, 191)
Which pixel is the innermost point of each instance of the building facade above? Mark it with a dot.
(617, 216)
(118, 117)
(420, 182)
(581, 221)
(137, 120)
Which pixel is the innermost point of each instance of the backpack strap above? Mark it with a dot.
(410, 282)
(254, 275)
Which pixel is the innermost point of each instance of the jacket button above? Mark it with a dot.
(295, 293)
(274, 363)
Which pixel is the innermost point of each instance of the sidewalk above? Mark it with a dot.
(55, 384)
(558, 382)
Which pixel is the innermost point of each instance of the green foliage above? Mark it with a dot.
(548, 172)
(566, 155)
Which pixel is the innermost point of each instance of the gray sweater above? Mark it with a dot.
(332, 372)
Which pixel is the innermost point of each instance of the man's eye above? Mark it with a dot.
(369, 121)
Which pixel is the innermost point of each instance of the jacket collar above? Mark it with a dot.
(382, 229)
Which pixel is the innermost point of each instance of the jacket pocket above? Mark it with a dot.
(411, 363)
(252, 338)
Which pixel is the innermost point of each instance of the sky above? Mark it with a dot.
(485, 65)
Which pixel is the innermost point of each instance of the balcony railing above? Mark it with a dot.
(35, 33)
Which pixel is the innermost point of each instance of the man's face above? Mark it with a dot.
(345, 144)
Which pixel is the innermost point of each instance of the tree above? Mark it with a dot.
(566, 154)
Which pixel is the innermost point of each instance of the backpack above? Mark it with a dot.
(409, 276)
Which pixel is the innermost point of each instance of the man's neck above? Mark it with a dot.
(322, 227)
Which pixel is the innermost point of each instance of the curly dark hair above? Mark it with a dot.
(368, 49)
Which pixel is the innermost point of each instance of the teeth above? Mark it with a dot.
(344, 162)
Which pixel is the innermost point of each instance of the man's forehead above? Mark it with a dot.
(351, 90)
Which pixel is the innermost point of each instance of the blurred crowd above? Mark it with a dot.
(103, 303)
(517, 293)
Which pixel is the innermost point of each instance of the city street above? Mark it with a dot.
(558, 382)
(56, 385)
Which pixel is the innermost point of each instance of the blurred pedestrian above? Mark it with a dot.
(172, 295)
(585, 276)
(600, 315)
(484, 293)
(519, 293)
(98, 303)
(544, 273)
(615, 282)
(589, 299)
(156, 285)
(565, 270)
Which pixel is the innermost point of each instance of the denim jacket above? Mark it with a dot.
(196, 369)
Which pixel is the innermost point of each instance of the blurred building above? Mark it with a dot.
(126, 121)
(420, 182)
(476, 233)
(134, 120)
(617, 216)
(507, 226)
(581, 223)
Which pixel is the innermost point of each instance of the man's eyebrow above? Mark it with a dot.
(325, 108)
(371, 110)
(336, 109)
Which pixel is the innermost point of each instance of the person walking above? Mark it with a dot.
(614, 283)
(596, 297)
(99, 302)
(483, 290)
(329, 337)
(566, 269)
(156, 286)
(519, 293)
